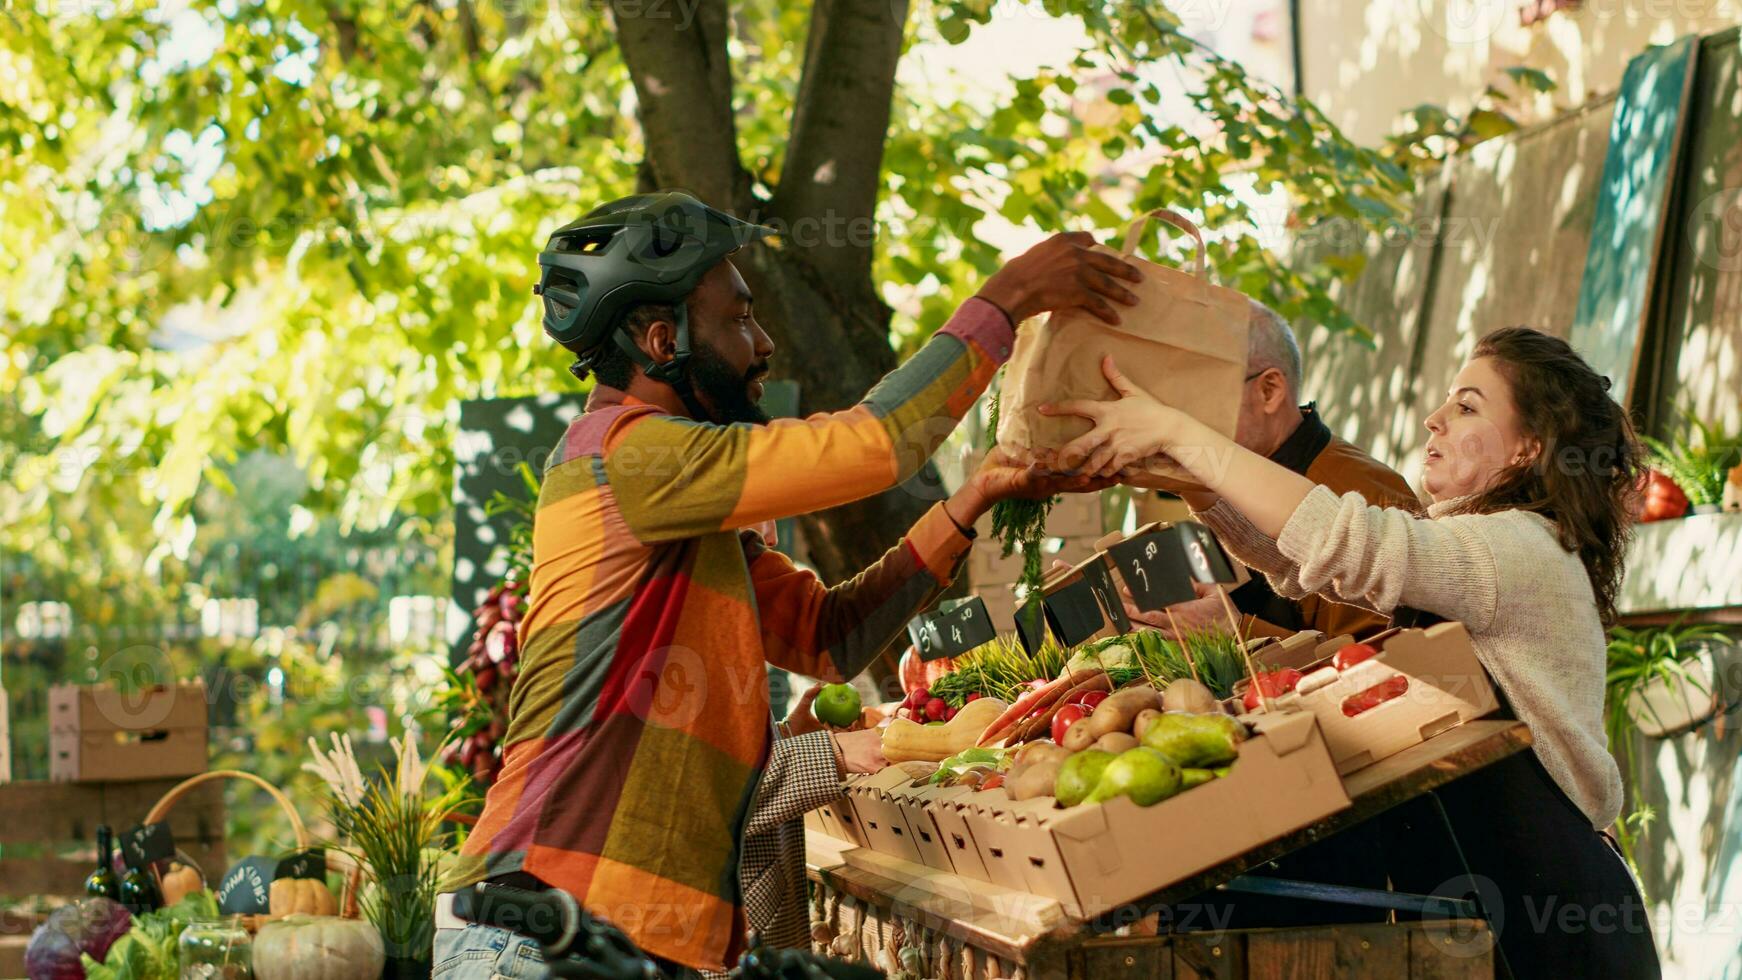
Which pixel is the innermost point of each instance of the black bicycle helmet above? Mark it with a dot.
(649, 248)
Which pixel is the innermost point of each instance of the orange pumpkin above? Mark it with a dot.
(301, 896)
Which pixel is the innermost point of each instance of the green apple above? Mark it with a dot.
(836, 704)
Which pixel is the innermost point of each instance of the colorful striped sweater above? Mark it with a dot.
(639, 725)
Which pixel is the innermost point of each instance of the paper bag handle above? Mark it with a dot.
(1134, 234)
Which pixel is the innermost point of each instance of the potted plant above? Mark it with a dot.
(1698, 460)
(393, 830)
(1662, 681)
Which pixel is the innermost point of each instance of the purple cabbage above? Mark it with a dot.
(88, 926)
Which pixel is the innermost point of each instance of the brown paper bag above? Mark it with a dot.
(1184, 343)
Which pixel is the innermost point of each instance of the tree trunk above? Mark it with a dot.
(815, 295)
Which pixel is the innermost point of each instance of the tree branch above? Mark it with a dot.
(834, 162)
(683, 81)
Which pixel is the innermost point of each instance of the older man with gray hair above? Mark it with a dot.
(1273, 423)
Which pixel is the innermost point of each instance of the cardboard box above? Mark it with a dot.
(839, 820)
(1440, 684)
(950, 816)
(880, 818)
(99, 733)
(1093, 858)
(917, 805)
(1098, 857)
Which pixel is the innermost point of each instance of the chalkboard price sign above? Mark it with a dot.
(246, 889)
(1031, 625)
(953, 629)
(311, 863)
(1159, 567)
(1074, 613)
(147, 843)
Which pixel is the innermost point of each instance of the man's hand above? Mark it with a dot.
(802, 721)
(860, 751)
(1192, 616)
(1060, 273)
(1000, 477)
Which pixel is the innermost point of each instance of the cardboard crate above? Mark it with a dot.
(99, 733)
(838, 818)
(950, 816)
(884, 826)
(917, 805)
(1093, 858)
(1444, 686)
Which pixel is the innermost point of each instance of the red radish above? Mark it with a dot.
(1275, 684)
(950, 714)
(1353, 654)
(1066, 716)
(975, 696)
(935, 709)
(1376, 695)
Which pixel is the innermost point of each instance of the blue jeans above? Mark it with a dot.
(486, 953)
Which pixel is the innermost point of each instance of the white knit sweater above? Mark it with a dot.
(1526, 601)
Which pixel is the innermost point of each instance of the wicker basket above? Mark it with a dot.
(348, 906)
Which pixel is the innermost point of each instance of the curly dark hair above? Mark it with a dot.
(1587, 475)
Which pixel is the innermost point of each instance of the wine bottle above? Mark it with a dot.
(138, 893)
(103, 882)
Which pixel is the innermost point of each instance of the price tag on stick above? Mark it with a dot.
(1074, 613)
(147, 843)
(246, 889)
(1101, 583)
(1160, 566)
(1031, 625)
(961, 626)
(924, 634)
(311, 863)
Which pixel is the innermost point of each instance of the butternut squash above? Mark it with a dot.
(907, 741)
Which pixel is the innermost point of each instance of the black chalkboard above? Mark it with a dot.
(1073, 613)
(246, 889)
(1031, 625)
(1100, 580)
(146, 843)
(1160, 566)
(963, 625)
(311, 863)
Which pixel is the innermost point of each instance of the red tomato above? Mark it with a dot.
(1353, 654)
(1067, 716)
(1662, 498)
(1376, 695)
(1275, 684)
(1091, 700)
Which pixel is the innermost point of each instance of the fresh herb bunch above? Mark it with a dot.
(1020, 523)
(998, 669)
(1216, 652)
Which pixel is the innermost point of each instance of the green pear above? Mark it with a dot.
(1193, 741)
(1144, 775)
(1079, 776)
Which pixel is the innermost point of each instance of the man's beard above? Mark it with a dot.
(724, 389)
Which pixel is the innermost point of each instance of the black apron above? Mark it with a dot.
(1558, 892)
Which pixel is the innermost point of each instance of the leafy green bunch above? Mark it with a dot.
(999, 669)
(1216, 653)
(149, 949)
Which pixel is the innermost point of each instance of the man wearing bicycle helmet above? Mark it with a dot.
(639, 729)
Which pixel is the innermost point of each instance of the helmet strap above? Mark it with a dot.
(674, 372)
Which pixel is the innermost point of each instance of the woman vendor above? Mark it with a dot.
(1530, 467)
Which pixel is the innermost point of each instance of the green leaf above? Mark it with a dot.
(953, 29)
(1534, 79)
(1485, 124)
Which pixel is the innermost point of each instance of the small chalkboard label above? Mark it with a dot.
(1155, 569)
(1209, 563)
(311, 863)
(1101, 583)
(961, 626)
(1073, 612)
(146, 843)
(924, 634)
(246, 889)
(1031, 625)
